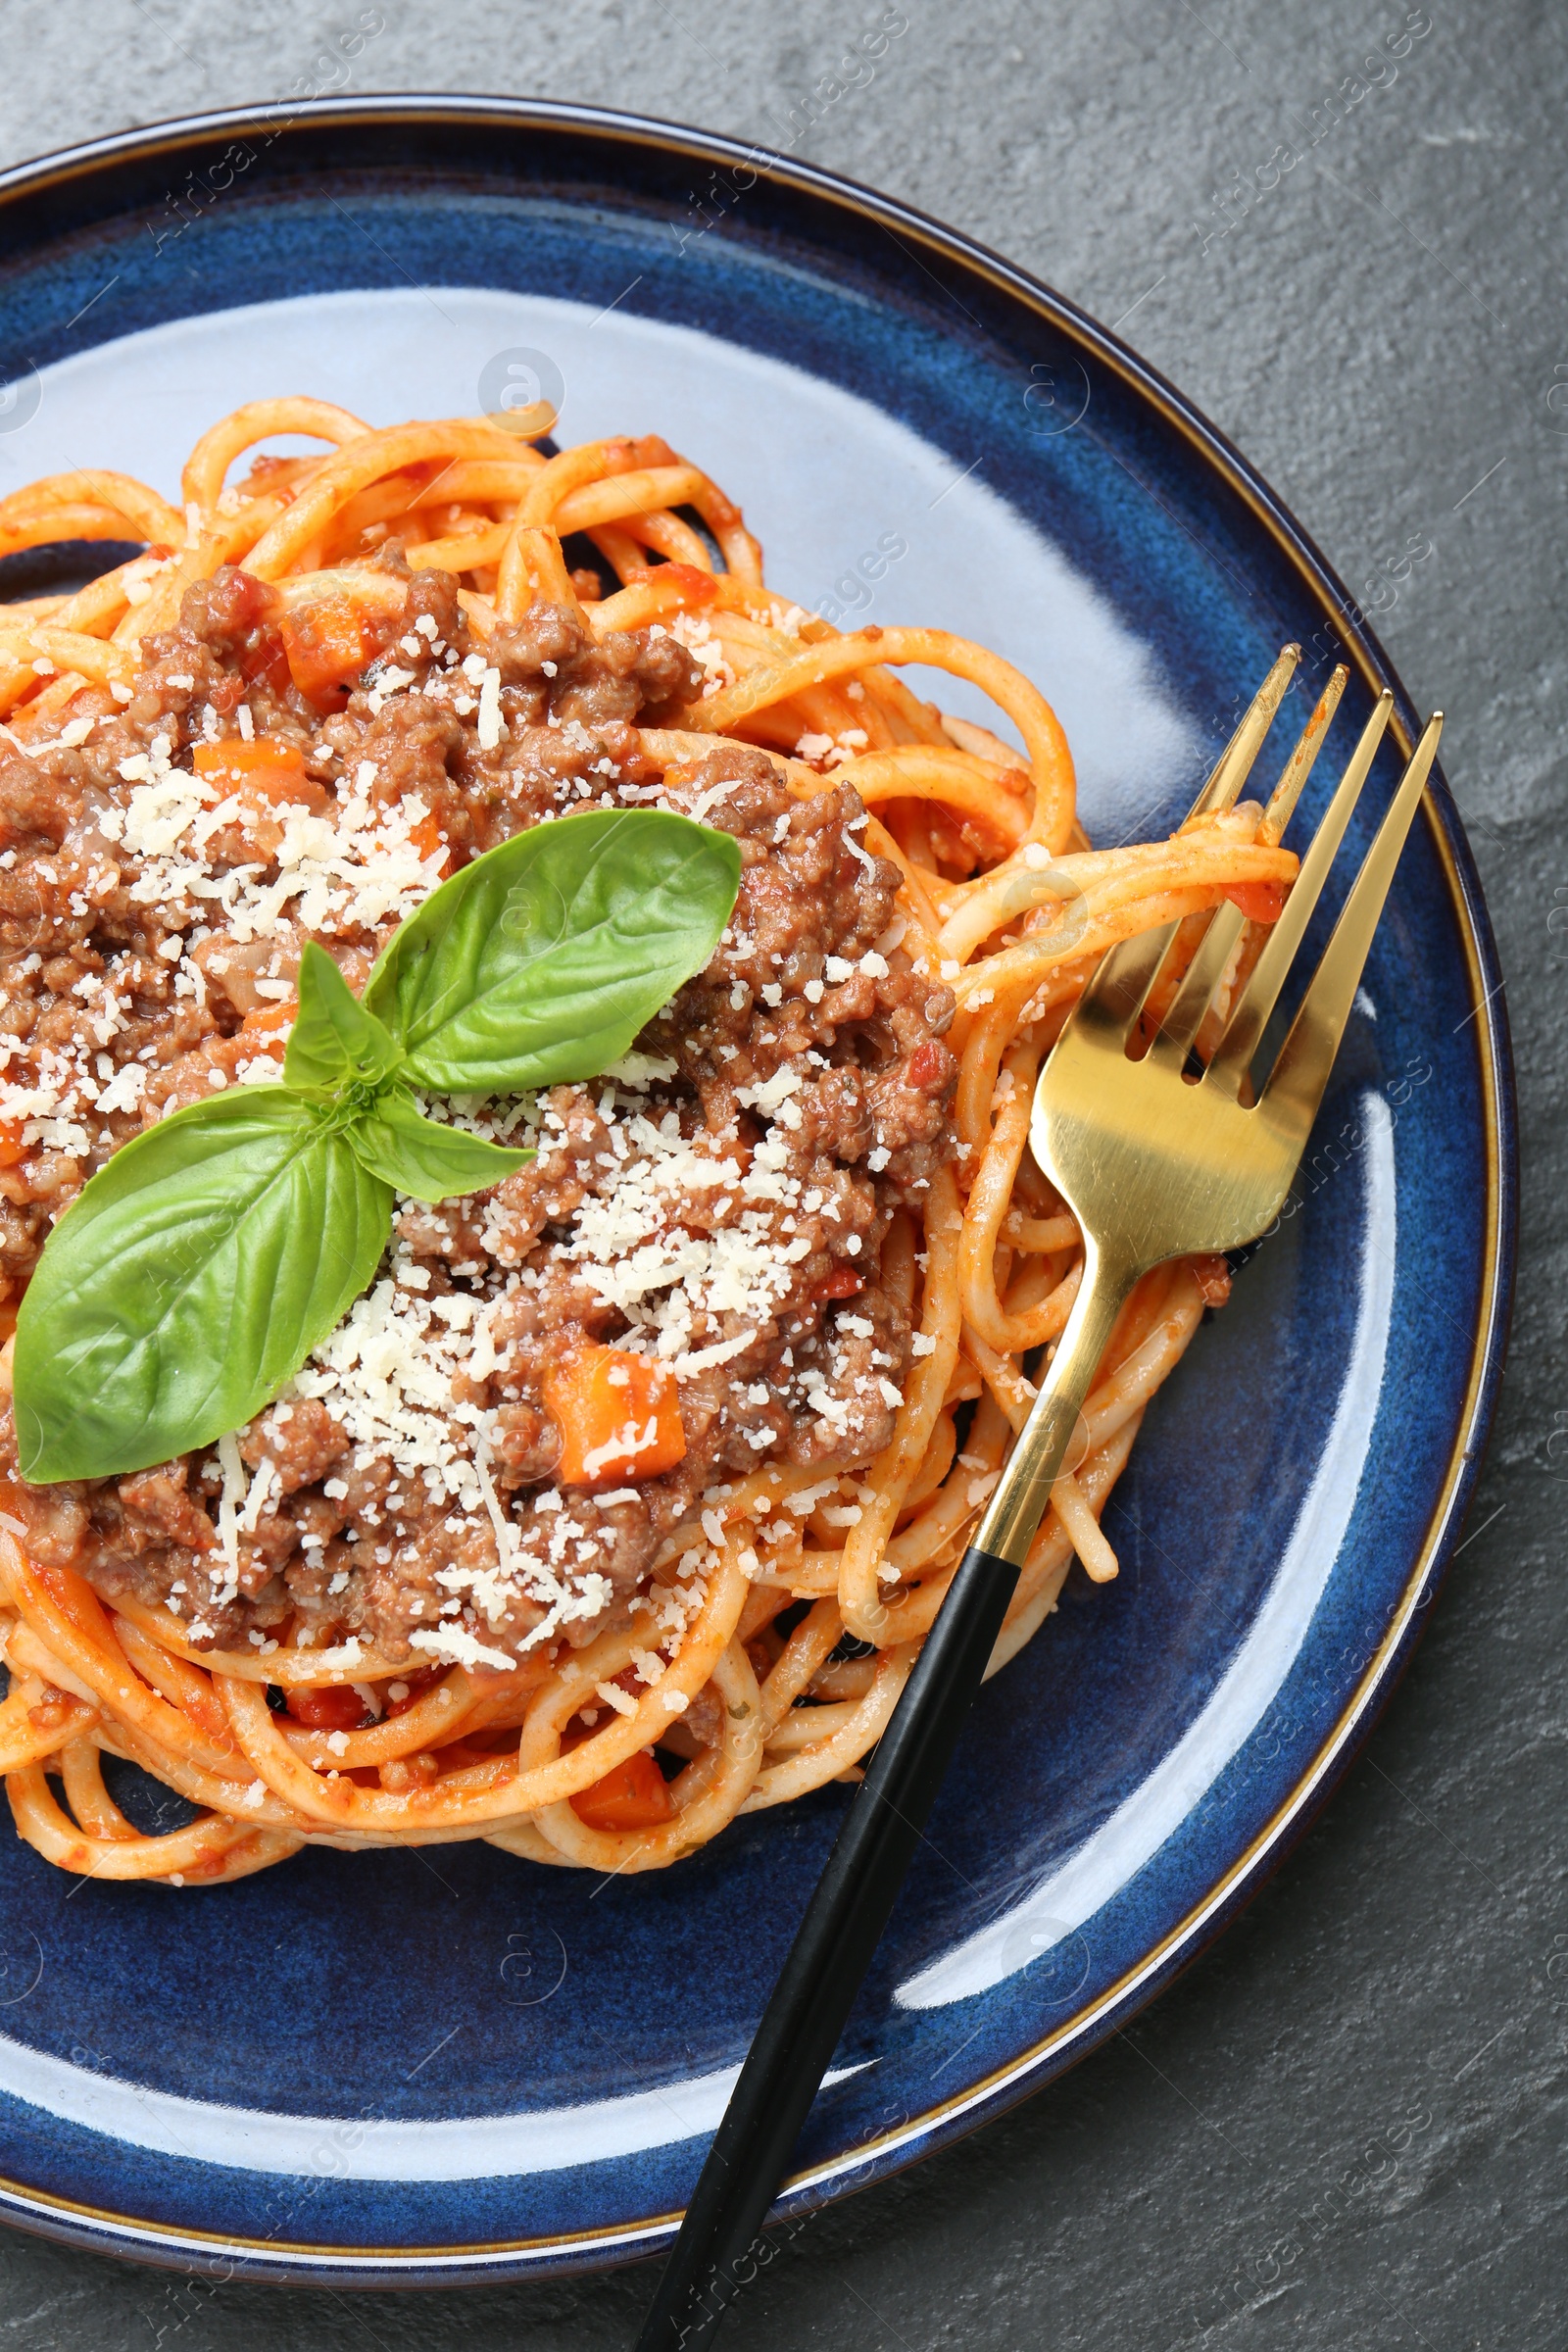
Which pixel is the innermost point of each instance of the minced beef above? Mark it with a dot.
(721, 1198)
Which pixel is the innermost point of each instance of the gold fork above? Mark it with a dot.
(1155, 1164)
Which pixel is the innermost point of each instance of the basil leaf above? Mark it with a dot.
(541, 961)
(415, 1154)
(335, 1041)
(194, 1274)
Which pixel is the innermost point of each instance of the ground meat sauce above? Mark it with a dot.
(719, 1200)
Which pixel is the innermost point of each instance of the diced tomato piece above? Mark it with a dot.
(250, 609)
(327, 647)
(1259, 902)
(12, 1146)
(414, 1686)
(633, 1796)
(266, 768)
(696, 587)
(247, 603)
(265, 662)
(327, 1707)
(930, 1065)
(619, 1417)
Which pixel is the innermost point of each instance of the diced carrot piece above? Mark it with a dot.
(273, 770)
(426, 839)
(1259, 902)
(267, 1019)
(263, 778)
(12, 1146)
(267, 1026)
(633, 1796)
(619, 1417)
(842, 1283)
(332, 1707)
(327, 646)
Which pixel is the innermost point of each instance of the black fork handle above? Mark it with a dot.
(816, 1986)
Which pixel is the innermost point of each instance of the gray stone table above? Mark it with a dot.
(1344, 2127)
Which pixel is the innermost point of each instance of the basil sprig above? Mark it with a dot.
(199, 1268)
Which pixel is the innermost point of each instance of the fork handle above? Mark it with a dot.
(1046, 1440)
(716, 2250)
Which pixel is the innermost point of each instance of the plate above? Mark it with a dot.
(445, 2065)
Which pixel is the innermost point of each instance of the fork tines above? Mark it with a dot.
(1127, 975)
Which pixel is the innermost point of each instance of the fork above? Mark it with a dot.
(1158, 1158)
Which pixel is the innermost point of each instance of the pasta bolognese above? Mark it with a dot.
(620, 1504)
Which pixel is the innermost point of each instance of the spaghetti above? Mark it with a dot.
(622, 1503)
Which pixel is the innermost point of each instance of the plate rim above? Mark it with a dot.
(159, 2243)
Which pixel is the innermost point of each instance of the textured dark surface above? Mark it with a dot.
(1345, 2127)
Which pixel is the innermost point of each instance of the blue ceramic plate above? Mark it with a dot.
(447, 2065)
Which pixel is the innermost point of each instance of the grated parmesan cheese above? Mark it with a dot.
(490, 722)
(457, 1647)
